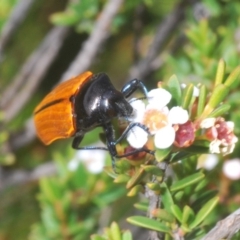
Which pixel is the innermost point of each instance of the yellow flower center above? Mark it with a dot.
(155, 120)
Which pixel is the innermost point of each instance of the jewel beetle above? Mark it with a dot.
(83, 103)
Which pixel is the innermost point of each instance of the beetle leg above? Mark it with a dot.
(77, 140)
(129, 128)
(132, 86)
(136, 151)
(124, 134)
(111, 144)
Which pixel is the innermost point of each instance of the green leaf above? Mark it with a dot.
(174, 88)
(187, 181)
(176, 211)
(127, 235)
(143, 206)
(148, 223)
(153, 186)
(200, 143)
(97, 237)
(201, 100)
(153, 170)
(110, 172)
(178, 195)
(188, 215)
(220, 72)
(221, 110)
(218, 95)
(196, 149)
(163, 215)
(233, 79)
(123, 165)
(108, 196)
(135, 190)
(187, 96)
(161, 154)
(193, 35)
(50, 189)
(179, 156)
(203, 198)
(166, 197)
(115, 231)
(136, 178)
(205, 210)
(121, 178)
(203, 183)
(64, 18)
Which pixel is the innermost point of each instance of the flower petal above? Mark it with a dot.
(207, 161)
(159, 98)
(178, 115)
(196, 91)
(138, 110)
(164, 137)
(231, 169)
(208, 122)
(94, 160)
(214, 146)
(227, 149)
(230, 125)
(137, 137)
(73, 164)
(95, 167)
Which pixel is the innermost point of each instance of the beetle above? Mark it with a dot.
(83, 103)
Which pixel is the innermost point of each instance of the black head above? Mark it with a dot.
(113, 104)
(104, 100)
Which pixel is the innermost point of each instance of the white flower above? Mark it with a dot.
(164, 137)
(221, 135)
(158, 98)
(137, 137)
(177, 115)
(208, 122)
(158, 118)
(214, 146)
(138, 110)
(231, 169)
(93, 160)
(207, 161)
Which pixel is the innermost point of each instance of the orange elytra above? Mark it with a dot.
(54, 116)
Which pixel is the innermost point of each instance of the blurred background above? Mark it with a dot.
(54, 192)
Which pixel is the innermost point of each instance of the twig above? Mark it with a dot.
(163, 32)
(13, 99)
(154, 203)
(16, 17)
(137, 30)
(93, 44)
(24, 137)
(18, 177)
(226, 228)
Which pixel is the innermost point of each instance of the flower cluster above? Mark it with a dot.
(173, 126)
(162, 122)
(220, 134)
